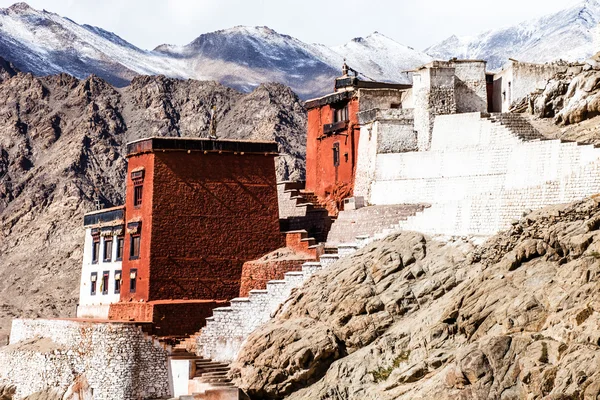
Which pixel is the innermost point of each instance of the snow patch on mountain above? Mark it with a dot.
(571, 34)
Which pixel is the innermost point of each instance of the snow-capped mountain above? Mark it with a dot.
(571, 34)
(45, 43)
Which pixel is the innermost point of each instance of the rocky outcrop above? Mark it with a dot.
(62, 147)
(412, 317)
(570, 97)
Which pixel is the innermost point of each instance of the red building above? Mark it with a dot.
(196, 210)
(333, 131)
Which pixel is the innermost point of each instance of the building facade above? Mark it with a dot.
(195, 211)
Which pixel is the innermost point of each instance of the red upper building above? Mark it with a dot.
(333, 130)
(195, 211)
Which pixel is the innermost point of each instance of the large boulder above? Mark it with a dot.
(412, 317)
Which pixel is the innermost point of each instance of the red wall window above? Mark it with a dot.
(132, 280)
(137, 195)
(134, 250)
(120, 245)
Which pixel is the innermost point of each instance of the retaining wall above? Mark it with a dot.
(119, 361)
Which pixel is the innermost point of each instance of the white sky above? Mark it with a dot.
(416, 23)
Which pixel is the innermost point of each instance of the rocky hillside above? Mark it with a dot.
(412, 317)
(62, 143)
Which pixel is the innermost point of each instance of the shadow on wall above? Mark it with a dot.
(468, 100)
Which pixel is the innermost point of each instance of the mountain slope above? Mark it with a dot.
(62, 145)
(45, 43)
(571, 34)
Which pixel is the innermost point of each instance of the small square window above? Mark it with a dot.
(108, 249)
(132, 280)
(93, 279)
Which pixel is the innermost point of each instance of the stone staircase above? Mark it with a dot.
(518, 125)
(299, 209)
(370, 221)
(229, 327)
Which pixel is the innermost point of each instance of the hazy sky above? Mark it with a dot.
(416, 23)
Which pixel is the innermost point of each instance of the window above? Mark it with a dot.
(132, 280)
(93, 279)
(137, 195)
(104, 283)
(108, 249)
(120, 245)
(340, 114)
(336, 154)
(137, 176)
(95, 250)
(134, 248)
(117, 281)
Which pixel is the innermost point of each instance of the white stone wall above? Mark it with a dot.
(96, 306)
(478, 176)
(518, 79)
(225, 332)
(471, 90)
(119, 361)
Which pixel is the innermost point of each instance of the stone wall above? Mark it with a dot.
(477, 170)
(380, 98)
(119, 361)
(518, 79)
(470, 86)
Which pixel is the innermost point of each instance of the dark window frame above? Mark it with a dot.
(138, 192)
(340, 112)
(93, 283)
(120, 248)
(118, 278)
(107, 257)
(105, 281)
(95, 250)
(336, 154)
(132, 281)
(132, 238)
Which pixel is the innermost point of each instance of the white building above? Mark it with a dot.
(102, 259)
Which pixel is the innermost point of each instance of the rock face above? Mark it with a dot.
(570, 97)
(410, 317)
(62, 146)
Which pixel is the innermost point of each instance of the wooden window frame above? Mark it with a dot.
(118, 278)
(120, 248)
(95, 250)
(138, 193)
(105, 282)
(336, 154)
(132, 281)
(107, 257)
(93, 283)
(133, 256)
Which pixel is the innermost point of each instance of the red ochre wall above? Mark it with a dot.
(143, 214)
(321, 174)
(211, 213)
(257, 273)
(169, 318)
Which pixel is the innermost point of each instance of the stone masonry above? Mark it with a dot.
(118, 359)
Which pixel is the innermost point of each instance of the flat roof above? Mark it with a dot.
(152, 144)
(104, 216)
